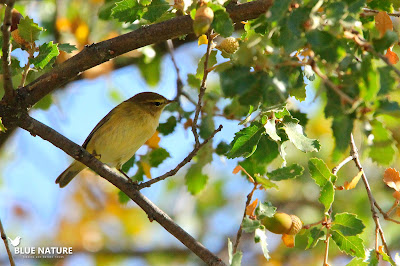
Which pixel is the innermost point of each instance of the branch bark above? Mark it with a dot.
(95, 54)
(154, 213)
(4, 237)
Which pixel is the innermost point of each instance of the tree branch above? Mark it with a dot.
(181, 164)
(4, 237)
(95, 54)
(6, 58)
(154, 213)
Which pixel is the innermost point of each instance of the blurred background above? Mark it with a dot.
(88, 216)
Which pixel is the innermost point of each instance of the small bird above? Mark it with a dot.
(118, 136)
(16, 241)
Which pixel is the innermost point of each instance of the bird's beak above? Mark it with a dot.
(171, 101)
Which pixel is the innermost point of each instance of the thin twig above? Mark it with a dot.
(308, 226)
(372, 12)
(341, 164)
(239, 232)
(386, 214)
(328, 235)
(181, 164)
(354, 153)
(330, 84)
(202, 90)
(4, 237)
(179, 82)
(6, 58)
(27, 67)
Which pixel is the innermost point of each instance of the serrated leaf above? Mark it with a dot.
(261, 237)
(358, 262)
(122, 197)
(127, 11)
(212, 60)
(342, 126)
(297, 137)
(29, 30)
(265, 210)
(106, 9)
(167, 127)
(319, 171)
(314, 236)
(351, 245)
(386, 80)
(383, 149)
(195, 180)
(222, 23)
(327, 195)
(155, 10)
(157, 156)
(278, 10)
(285, 173)
(245, 141)
(385, 42)
(348, 224)
(265, 182)
(234, 259)
(47, 51)
(66, 47)
(372, 258)
(249, 225)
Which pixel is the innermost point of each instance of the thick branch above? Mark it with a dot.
(6, 58)
(153, 212)
(95, 54)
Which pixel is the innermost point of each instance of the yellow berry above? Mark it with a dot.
(202, 20)
(283, 223)
(229, 45)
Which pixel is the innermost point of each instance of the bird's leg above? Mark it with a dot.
(122, 172)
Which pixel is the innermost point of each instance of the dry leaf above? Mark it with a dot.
(237, 169)
(153, 141)
(383, 22)
(188, 123)
(252, 206)
(146, 169)
(380, 250)
(202, 40)
(396, 195)
(398, 211)
(288, 240)
(353, 183)
(392, 56)
(391, 178)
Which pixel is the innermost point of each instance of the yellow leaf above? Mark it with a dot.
(146, 169)
(202, 40)
(153, 141)
(353, 183)
(288, 240)
(383, 22)
(2, 127)
(392, 56)
(250, 209)
(82, 33)
(63, 24)
(391, 177)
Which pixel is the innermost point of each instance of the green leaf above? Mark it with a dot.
(278, 10)
(222, 148)
(352, 245)
(44, 103)
(358, 262)
(387, 107)
(129, 164)
(265, 210)
(348, 224)
(309, 73)
(387, 258)
(386, 80)
(150, 68)
(383, 149)
(285, 173)
(261, 237)
(249, 225)
(236, 81)
(327, 195)
(155, 10)
(157, 156)
(319, 171)
(195, 180)
(2, 127)
(167, 127)
(385, 42)
(29, 30)
(106, 9)
(270, 128)
(314, 236)
(324, 44)
(193, 81)
(342, 126)
(47, 51)
(222, 23)
(372, 258)
(297, 137)
(234, 259)
(212, 60)
(122, 197)
(265, 182)
(66, 47)
(127, 11)
(245, 142)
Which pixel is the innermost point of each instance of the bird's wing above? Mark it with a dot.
(99, 125)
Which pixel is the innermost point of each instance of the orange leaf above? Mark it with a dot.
(396, 195)
(250, 209)
(383, 22)
(288, 240)
(188, 123)
(391, 178)
(153, 141)
(398, 211)
(237, 169)
(380, 250)
(146, 169)
(353, 183)
(392, 56)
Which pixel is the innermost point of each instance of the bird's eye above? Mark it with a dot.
(157, 103)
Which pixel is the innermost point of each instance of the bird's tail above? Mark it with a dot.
(69, 173)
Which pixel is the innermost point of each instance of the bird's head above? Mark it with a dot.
(151, 102)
